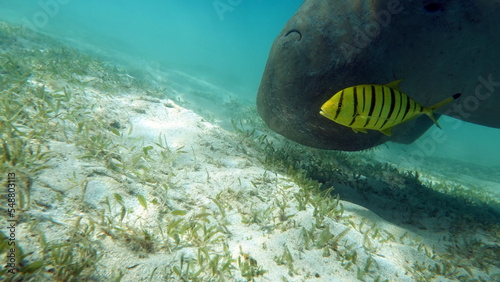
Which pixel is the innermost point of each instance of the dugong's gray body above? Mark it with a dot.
(438, 47)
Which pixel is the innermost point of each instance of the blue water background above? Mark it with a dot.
(227, 48)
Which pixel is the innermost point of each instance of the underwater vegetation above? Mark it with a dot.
(131, 207)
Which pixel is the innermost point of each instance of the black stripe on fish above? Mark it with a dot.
(340, 104)
(355, 103)
(379, 115)
(364, 100)
(372, 105)
(403, 107)
(391, 109)
(408, 102)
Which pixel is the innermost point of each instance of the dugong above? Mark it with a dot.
(437, 47)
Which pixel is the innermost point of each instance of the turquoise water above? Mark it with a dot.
(228, 44)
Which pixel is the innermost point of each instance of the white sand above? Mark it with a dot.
(214, 161)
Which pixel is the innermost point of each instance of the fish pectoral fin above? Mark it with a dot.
(387, 131)
(394, 84)
(366, 118)
(363, 118)
(359, 130)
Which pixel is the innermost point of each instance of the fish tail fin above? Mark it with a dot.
(430, 112)
(445, 101)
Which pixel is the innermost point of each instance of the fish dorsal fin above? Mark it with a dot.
(394, 84)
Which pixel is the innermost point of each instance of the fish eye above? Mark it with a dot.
(339, 105)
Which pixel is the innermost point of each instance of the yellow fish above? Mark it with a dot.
(377, 107)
